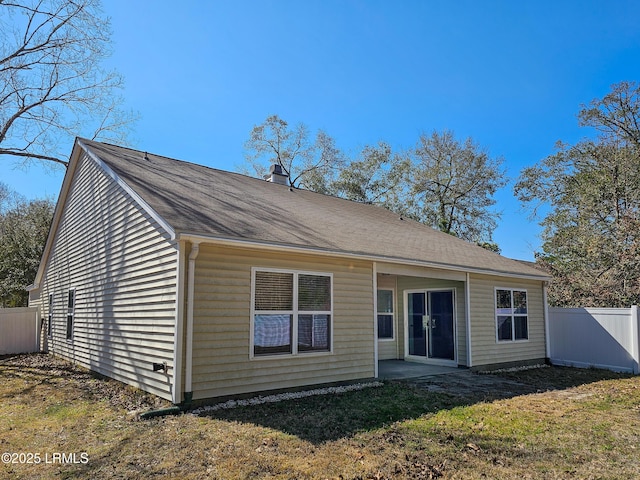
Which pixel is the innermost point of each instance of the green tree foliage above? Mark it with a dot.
(376, 176)
(451, 187)
(24, 226)
(52, 84)
(591, 236)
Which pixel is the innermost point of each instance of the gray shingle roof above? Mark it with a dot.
(203, 201)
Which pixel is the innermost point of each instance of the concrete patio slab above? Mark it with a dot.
(401, 370)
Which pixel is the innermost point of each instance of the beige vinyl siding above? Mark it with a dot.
(486, 350)
(416, 283)
(122, 266)
(388, 348)
(221, 344)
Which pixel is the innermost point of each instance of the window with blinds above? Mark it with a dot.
(292, 312)
(274, 291)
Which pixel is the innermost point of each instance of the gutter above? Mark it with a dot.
(225, 241)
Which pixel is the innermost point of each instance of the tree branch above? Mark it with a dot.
(38, 156)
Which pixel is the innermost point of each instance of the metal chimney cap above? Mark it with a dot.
(276, 168)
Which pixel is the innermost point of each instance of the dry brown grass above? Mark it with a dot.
(544, 424)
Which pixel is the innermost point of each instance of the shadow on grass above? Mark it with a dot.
(36, 369)
(326, 418)
(323, 418)
(331, 417)
(45, 370)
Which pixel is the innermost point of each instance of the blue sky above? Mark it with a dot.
(510, 74)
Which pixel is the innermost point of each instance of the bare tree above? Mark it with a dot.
(303, 161)
(52, 85)
(616, 115)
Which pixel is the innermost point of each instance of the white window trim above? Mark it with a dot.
(71, 312)
(294, 313)
(392, 314)
(513, 315)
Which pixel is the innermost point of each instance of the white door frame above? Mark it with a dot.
(426, 359)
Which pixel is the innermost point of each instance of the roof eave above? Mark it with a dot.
(239, 242)
(130, 191)
(78, 149)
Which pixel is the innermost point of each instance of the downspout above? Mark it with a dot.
(188, 389)
(467, 308)
(176, 394)
(375, 319)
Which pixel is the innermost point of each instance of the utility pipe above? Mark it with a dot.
(161, 412)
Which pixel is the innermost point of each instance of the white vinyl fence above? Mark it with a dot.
(595, 337)
(19, 331)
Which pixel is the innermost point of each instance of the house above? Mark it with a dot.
(195, 283)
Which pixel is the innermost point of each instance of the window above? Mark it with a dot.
(50, 316)
(511, 315)
(291, 305)
(71, 304)
(385, 314)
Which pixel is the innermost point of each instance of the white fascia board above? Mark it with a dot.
(57, 214)
(234, 242)
(130, 191)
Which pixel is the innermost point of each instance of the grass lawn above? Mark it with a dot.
(540, 424)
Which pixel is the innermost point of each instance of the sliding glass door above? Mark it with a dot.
(431, 324)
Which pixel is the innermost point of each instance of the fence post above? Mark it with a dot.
(635, 335)
(38, 329)
(547, 325)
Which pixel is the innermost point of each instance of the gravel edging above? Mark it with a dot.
(522, 368)
(259, 400)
